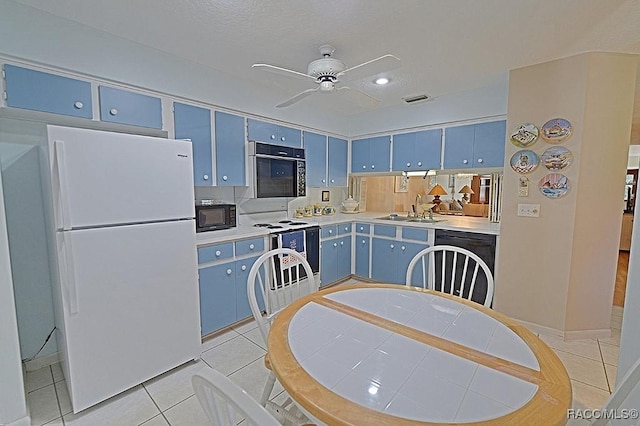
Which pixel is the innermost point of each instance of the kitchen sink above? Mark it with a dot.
(410, 219)
(395, 218)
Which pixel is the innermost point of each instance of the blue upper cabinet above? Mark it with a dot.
(230, 151)
(40, 91)
(417, 150)
(337, 168)
(194, 123)
(475, 145)
(262, 131)
(315, 150)
(370, 154)
(125, 107)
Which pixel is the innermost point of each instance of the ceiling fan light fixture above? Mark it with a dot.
(381, 81)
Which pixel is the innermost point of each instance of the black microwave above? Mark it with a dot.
(212, 217)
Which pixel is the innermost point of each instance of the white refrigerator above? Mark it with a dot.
(126, 298)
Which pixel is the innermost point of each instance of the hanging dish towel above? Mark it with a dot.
(295, 241)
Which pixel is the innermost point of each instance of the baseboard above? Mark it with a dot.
(567, 335)
(43, 361)
(24, 421)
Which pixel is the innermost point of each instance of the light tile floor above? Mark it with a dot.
(169, 399)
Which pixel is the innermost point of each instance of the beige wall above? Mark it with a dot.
(558, 270)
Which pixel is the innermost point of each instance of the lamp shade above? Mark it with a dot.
(437, 190)
(466, 190)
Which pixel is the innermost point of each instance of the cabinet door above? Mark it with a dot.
(344, 257)
(363, 245)
(289, 137)
(194, 123)
(243, 309)
(337, 169)
(404, 152)
(125, 107)
(315, 149)
(262, 131)
(428, 148)
(40, 91)
(458, 147)
(329, 262)
(384, 259)
(217, 297)
(230, 152)
(380, 153)
(360, 155)
(489, 144)
(407, 253)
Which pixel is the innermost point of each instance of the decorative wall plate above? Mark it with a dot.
(557, 158)
(524, 161)
(554, 185)
(525, 135)
(556, 130)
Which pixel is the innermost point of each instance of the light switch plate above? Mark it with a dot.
(529, 210)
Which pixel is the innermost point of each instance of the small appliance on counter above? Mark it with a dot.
(213, 215)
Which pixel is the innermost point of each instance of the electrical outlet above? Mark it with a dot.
(529, 210)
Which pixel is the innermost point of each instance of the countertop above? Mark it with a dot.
(456, 223)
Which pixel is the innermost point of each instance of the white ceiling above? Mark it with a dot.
(445, 47)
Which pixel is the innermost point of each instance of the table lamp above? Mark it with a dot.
(437, 191)
(465, 191)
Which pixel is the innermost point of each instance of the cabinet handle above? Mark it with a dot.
(391, 245)
(243, 267)
(373, 166)
(229, 271)
(251, 246)
(364, 167)
(330, 231)
(205, 177)
(479, 160)
(78, 105)
(346, 228)
(273, 137)
(335, 244)
(403, 248)
(333, 181)
(224, 178)
(408, 164)
(218, 252)
(364, 241)
(283, 139)
(419, 163)
(362, 228)
(341, 243)
(113, 111)
(324, 181)
(465, 161)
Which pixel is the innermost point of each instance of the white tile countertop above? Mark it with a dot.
(450, 222)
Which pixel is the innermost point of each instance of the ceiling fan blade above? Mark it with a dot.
(297, 98)
(357, 97)
(282, 71)
(369, 68)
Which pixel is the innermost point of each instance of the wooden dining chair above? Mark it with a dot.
(452, 270)
(276, 279)
(626, 396)
(223, 401)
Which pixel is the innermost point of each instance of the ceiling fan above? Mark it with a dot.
(327, 72)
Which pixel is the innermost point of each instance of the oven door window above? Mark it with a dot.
(275, 178)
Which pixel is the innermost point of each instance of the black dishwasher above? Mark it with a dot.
(484, 245)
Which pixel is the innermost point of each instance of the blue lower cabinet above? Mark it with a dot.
(328, 262)
(242, 299)
(217, 297)
(343, 263)
(407, 253)
(363, 244)
(384, 260)
(41, 91)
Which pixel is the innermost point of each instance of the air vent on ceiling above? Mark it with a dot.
(416, 98)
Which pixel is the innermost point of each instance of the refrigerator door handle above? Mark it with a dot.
(61, 176)
(68, 277)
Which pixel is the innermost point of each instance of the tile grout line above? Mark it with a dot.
(55, 390)
(156, 404)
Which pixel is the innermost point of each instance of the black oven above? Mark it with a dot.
(277, 171)
(311, 247)
(212, 217)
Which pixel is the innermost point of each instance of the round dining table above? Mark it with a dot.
(385, 354)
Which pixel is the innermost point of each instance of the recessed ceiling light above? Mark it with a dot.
(382, 80)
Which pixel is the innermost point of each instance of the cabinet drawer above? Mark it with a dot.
(362, 228)
(344, 228)
(215, 252)
(255, 245)
(328, 231)
(125, 107)
(384, 230)
(415, 234)
(41, 91)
